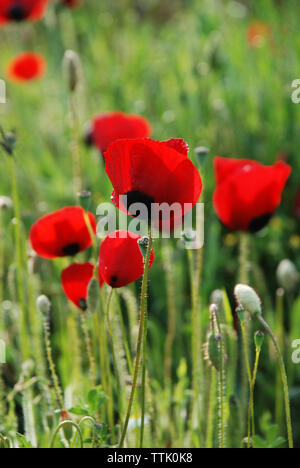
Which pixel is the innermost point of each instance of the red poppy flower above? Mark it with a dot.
(75, 280)
(148, 171)
(19, 10)
(106, 128)
(72, 3)
(120, 259)
(247, 192)
(26, 67)
(257, 33)
(62, 233)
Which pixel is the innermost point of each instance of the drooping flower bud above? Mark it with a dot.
(201, 153)
(43, 304)
(9, 141)
(72, 69)
(248, 299)
(84, 199)
(5, 203)
(287, 275)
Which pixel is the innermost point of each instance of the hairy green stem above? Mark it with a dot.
(141, 336)
(58, 391)
(88, 346)
(108, 325)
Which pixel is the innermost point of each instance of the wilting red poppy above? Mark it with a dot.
(19, 10)
(148, 171)
(72, 3)
(75, 280)
(106, 128)
(62, 233)
(120, 259)
(247, 192)
(257, 33)
(26, 67)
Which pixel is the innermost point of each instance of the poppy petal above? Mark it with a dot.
(75, 280)
(112, 126)
(26, 67)
(246, 198)
(62, 233)
(120, 259)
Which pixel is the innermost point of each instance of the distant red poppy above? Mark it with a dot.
(112, 126)
(247, 192)
(26, 67)
(120, 259)
(148, 171)
(19, 10)
(257, 33)
(72, 3)
(62, 233)
(75, 280)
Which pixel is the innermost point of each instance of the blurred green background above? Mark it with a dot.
(185, 65)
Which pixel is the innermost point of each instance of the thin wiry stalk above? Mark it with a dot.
(251, 400)
(284, 380)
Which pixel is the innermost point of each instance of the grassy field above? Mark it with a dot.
(186, 66)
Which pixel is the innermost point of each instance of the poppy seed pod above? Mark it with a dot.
(72, 69)
(43, 304)
(259, 337)
(143, 245)
(287, 275)
(248, 299)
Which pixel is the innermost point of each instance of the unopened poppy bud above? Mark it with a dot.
(259, 337)
(9, 141)
(5, 203)
(93, 295)
(213, 351)
(72, 69)
(143, 245)
(85, 199)
(43, 304)
(217, 298)
(201, 153)
(189, 236)
(248, 299)
(287, 275)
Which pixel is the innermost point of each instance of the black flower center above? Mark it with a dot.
(17, 13)
(135, 196)
(258, 223)
(71, 249)
(113, 280)
(82, 304)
